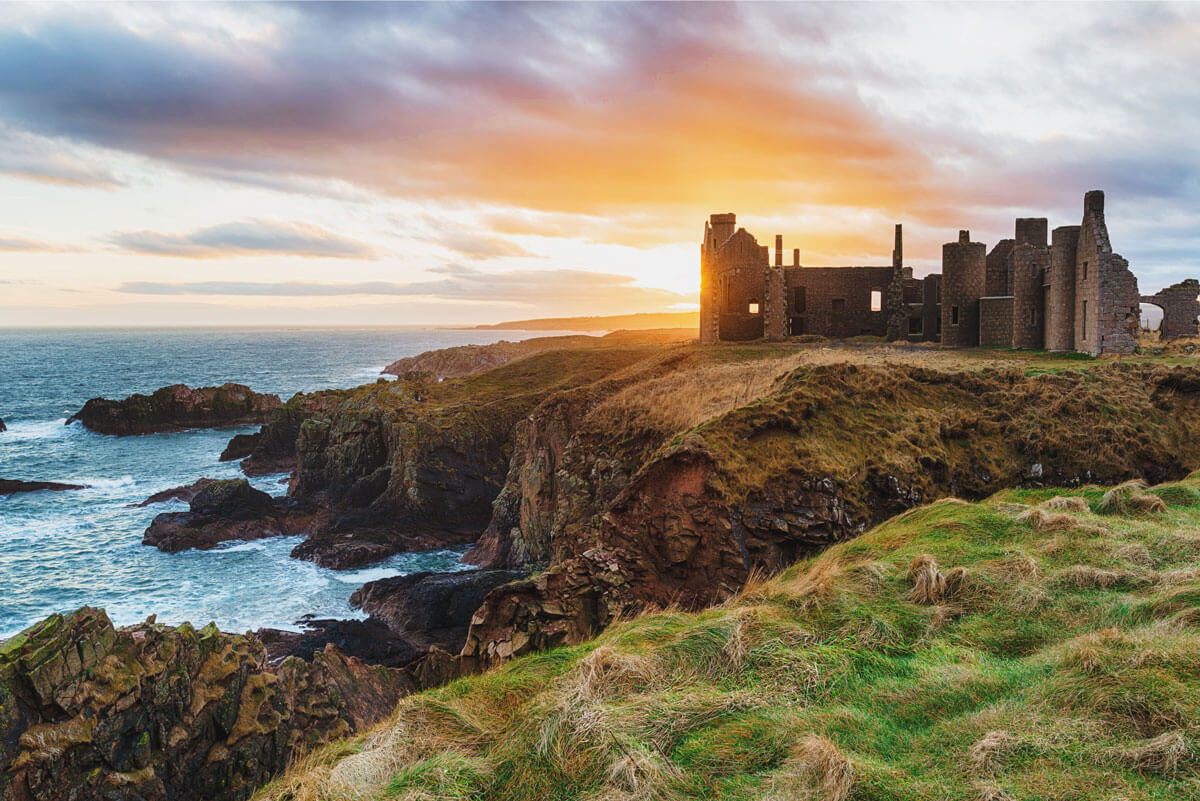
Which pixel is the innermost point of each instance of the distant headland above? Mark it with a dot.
(615, 322)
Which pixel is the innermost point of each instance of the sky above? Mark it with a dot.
(409, 164)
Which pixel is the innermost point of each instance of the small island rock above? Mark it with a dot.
(177, 408)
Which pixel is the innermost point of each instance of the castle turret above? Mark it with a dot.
(1060, 289)
(964, 266)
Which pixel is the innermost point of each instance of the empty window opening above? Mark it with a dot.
(753, 307)
(1033, 316)
(914, 325)
(876, 300)
(839, 305)
(799, 299)
(953, 315)
(1085, 271)
(1083, 336)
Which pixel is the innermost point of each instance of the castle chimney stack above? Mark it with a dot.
(898, 250)
(964, 237)
(795, 257)
(778, 250)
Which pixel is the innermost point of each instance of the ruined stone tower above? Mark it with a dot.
(1030, 259)
(964, 267)
(1107, 309)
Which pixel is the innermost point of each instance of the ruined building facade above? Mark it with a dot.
(1062, 290)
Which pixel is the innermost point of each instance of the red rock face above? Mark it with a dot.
(155, 713)
(177, 408)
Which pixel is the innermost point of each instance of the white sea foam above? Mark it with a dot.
(25, 430)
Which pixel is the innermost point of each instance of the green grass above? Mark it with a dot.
(1060, 663)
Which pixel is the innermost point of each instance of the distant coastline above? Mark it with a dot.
(627, 322)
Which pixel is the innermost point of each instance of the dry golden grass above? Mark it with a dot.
(685, 398)
(1162, 755)
(987, 755)
(929, 585)
(817, 770)
(1130, 498)
(1087, 577)
(1065, 503)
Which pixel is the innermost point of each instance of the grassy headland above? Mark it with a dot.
(1039, 644)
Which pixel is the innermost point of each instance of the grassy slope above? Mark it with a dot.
(1054, 654)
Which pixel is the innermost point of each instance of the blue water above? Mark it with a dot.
(61, 550)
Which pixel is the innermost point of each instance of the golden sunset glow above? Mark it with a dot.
(422, 164)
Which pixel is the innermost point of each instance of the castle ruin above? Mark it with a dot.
(1062, 290)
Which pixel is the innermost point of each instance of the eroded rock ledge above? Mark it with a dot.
(151, 712)
(177, 408)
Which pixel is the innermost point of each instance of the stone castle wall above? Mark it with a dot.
(996, 322)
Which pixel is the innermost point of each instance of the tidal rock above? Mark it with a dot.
(335, 549)
(177, 408)
(150, 712)
(184, 493)
(225, 510)
(369, 640)
(11, 486)
(431, 609)
(2, 426)
(241, 446)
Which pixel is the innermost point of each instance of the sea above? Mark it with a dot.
(63, 550)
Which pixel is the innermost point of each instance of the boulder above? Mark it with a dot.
(177, 408)
(2, 426)
(151, 712)
(184, 493)
(11, 486)
(225, 510)
(241, 446)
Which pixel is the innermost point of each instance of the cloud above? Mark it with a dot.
(48, 160)
(247, 238)
(629, 122)
(17, 244)
(542, 289)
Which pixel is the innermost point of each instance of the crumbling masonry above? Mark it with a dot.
(1061, 291)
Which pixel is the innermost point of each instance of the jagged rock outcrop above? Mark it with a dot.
(177, 408)
(2, 426)
(151, 713)
(430, 609)
(275, 447)
(241, 446)
(223, 510)
(10, 486)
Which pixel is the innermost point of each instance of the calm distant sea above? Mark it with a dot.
(61, 550)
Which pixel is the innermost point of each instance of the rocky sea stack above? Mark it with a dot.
(220, 511)
(177, 408)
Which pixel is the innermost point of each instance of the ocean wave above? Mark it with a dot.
(24, 430)
(106, 483)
